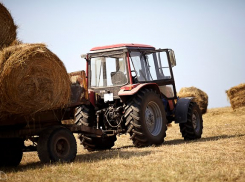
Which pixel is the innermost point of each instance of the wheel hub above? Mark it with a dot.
(62, 147)
(153, 118)
(195, 121)
(150, 120)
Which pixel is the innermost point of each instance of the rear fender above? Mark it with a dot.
(181, 109)
(129, 90)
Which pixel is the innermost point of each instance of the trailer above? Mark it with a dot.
(50, 132)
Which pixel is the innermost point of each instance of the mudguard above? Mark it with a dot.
(182, 109)
(134, 88)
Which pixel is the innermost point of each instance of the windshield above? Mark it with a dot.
(151, 66)
(108, 71)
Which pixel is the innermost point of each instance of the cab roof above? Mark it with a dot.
(122, 46)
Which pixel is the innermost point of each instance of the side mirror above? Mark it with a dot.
(172, 58)
(85, 56)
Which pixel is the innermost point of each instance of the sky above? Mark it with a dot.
(208, 36)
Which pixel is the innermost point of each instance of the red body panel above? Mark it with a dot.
(171, 105)
(87, 71)
(132, 89)
(129, 69)
(92, 97)
(135, 88)
(121, 45)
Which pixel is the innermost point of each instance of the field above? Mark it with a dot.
(218, 156)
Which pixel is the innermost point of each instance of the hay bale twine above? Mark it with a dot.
(236, 96)
(201, 98)
(32, 79)
(7, 28)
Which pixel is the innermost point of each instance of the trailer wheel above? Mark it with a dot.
(11, 151)
(192, 129)
(57, 144)
(146, 119)
(97, 143)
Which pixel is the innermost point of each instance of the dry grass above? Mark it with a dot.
(32, 79)
(218, 156)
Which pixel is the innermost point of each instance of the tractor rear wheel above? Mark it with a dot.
(192, 129)
(85, 116)
(11, 151)
(57, 144)
(98, 143)
(146, 119)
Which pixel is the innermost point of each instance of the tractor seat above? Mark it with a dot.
(118, 78)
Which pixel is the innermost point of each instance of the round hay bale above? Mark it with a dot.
(236, 96)
(7, 28)
(32, 79)
(201, 98)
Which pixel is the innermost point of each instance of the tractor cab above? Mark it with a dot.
(118, 71)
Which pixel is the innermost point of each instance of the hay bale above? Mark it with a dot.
(79, 86)
(32, 79)
(201, 98)
(76, 77)
(236, 96)
(7, 28)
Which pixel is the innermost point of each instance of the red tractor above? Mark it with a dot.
(132, 90)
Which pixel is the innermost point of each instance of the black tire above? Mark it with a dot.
(98, 143)
(84, 115)
(192, 129)
(11, 151)
(57, 144)
(146, 119)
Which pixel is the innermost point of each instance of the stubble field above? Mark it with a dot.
(218, 156)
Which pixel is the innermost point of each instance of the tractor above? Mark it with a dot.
(131, 89)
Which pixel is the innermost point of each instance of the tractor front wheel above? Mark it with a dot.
(192, 129)
(146, 119)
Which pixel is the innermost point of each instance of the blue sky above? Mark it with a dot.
(208, 36)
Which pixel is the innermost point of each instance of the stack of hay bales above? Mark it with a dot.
(201, 98)
(236, 96)
(32, 78)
